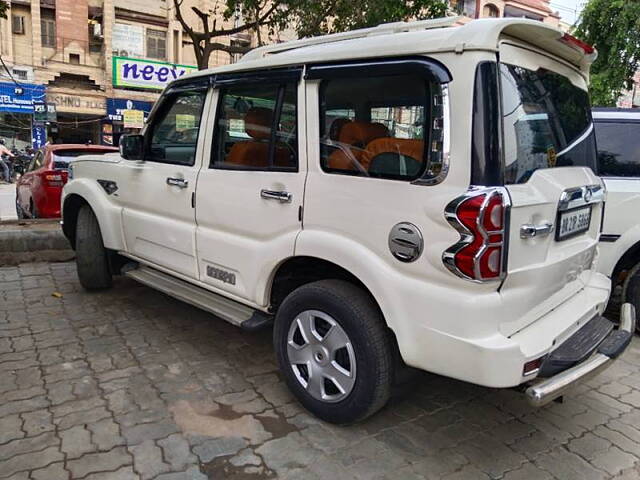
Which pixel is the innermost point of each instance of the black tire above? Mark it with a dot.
(33, 210)
(91, 256)
(631, 290)
(356, 313)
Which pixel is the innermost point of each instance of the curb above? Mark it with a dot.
(23, 241)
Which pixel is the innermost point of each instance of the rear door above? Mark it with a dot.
(555, 215)
(618, 138)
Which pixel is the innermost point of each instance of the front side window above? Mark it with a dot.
(256, 128)
(381, 127)
(618, 149)
(547, 123)
(174, 133)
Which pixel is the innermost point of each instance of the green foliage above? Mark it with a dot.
(613, 27)
(317, 17)
(4, 5)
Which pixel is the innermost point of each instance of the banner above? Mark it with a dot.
(19, 98)
(133, 119)
(127, 40)
(130, 72)
(38, 136)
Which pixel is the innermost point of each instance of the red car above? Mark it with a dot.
(38, 190)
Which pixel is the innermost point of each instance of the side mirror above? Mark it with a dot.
(132, 147)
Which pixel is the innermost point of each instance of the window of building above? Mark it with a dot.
(174, 131)
(379, 126)
(48, 32)
(20, 74)
(490, 11)
(257, 128)
(618, 154)
(156, 44)
(17, 24)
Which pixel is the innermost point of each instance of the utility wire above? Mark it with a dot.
(9, 72)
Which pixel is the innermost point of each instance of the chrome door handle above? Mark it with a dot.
(282, 197)
(177, 182)
(529, 231)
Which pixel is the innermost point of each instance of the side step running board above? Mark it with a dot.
(229, 310)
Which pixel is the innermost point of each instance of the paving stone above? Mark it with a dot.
(105, 434)
(99, 462)
(568, 466)
(147, 460)
(76, 441)
(192, 473)
(152, 431)
(588, 445)
(29, 461)
(81, 418)
(55, 471)
(29, 444)
(528, 472)
(10, 428)
(614, 460)
(218, 447)
(124, 473)
(37, 422)
(176, 451)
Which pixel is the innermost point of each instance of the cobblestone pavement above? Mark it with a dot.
(129, 384)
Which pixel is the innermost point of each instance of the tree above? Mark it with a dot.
(4, 6)
(308, 17)
(613, 27)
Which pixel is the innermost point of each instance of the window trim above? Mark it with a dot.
(431, 70)
(279, 79)
(159, 112)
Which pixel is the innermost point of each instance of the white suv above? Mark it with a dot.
(380, 195)
(618, 139)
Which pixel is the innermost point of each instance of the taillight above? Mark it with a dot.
(53, 178)
(480, 216)
(578, 44)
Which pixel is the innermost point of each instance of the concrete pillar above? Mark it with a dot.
(108, 20)
(36, 33)
(6, 42)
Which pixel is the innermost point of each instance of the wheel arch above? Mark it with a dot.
(627, 261)
(70, 209)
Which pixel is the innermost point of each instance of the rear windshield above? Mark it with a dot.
(618, 149)
(61, 158)
(547, 123)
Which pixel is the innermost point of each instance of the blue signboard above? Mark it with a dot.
(116, 107)
(38, 136)
(19, 98)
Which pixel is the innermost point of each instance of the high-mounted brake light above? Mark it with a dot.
(577, 43)
(480, 216)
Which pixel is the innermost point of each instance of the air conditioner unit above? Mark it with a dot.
(97, 30)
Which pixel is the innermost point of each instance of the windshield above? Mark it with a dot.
(61, 158)
(547, 123)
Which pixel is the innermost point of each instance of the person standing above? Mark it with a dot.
(6, 172)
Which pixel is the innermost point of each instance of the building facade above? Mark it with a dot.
(89, 70)
(532, 9)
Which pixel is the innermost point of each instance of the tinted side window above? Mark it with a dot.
(618, 149)
(174, 132)
(257, 128)
(37, 161)
(380, 126)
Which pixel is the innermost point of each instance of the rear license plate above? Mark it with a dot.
(573, 222)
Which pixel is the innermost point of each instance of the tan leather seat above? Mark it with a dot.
(255, 152)
(357, 135)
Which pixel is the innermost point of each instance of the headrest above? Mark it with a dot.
(257, 123)
(360, 133)
(412, 148)
(336, 127)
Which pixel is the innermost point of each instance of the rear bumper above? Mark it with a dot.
(608, 350)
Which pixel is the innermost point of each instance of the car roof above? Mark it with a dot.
(600, 113)
(407, 38)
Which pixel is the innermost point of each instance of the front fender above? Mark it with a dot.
(109, 215)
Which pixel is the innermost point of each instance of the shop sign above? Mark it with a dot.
(78, 103)
(117, 106)
(133, 119)
(38, 136)
(127, 40)
(19, 99)
(129, 72)
(44, 112)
